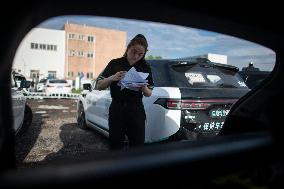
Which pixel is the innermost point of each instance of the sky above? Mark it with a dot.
(173, 41)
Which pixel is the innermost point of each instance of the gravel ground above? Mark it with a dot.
(54, 136)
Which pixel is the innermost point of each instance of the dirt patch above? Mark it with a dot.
(54, 136)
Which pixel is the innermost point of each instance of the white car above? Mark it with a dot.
(190, 100)
(58, 86)
(41, 85)
(22, 113)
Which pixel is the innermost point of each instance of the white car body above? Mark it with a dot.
(41, 86)
(58, 86)
(18, 105)
(160, 123)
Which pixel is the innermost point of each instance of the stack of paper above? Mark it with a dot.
(133, 80)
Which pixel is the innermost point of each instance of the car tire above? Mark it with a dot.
(28, 117)
(81, 122)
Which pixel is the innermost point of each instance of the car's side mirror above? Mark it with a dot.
(87, 86)
(25, 84)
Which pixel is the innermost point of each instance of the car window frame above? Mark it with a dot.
(25, 179)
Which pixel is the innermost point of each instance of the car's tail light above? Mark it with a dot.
(49, 86)
(178, 104)
(67, 85)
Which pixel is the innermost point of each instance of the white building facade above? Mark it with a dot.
(41, 54)
(217, 58)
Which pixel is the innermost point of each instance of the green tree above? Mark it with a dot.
(151, 57)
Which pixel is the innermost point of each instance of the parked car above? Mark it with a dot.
(57, 86)
(41, 85)
(22, 113)
(253, 78)
(18, 78)
(191, 100)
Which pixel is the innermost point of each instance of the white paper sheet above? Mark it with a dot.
(133, 80)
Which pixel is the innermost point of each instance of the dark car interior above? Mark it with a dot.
(249, 145)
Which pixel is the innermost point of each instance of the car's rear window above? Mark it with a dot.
(19, 78)
(58, 81)
(194, 76)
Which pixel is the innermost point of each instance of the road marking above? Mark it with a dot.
(60, 107)
(40, 112)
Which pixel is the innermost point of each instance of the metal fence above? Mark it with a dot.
(42, 95)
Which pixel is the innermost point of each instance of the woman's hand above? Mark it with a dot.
(104, 83)
(118, 76)
(146, 91)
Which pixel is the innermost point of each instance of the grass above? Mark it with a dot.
(76, 91)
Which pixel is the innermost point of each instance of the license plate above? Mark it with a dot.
(210, 126)
(218, 113)
(59, 87)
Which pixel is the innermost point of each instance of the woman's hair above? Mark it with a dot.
(140, 40)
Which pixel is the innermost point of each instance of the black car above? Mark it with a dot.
(254, 78)
(206, 92)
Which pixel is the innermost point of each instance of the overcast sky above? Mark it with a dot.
(172, 41)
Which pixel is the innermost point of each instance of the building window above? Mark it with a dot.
(71, 53)
(71, 74)
(71, 36)
(90, 55)
(90, 38)
(81, 37)
(34, 74)
(51, 74)
(88, 76)
(78, 73)
(68, 74)
(91, 75)
(80, 53)
(44, 47)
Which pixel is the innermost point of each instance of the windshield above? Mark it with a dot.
(57, 81)
(19, 78)
(194, 76)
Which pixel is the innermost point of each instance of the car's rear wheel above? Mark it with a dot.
(28, 117)
(81, 122)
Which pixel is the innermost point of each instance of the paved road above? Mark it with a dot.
(54, 136)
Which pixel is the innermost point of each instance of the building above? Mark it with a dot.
(77, 50)
(89, 49)
(41, 54)
(217, 58)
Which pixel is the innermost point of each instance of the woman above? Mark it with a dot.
(126, 113)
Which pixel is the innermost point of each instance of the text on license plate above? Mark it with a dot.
(210, 126)
(218, 113)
